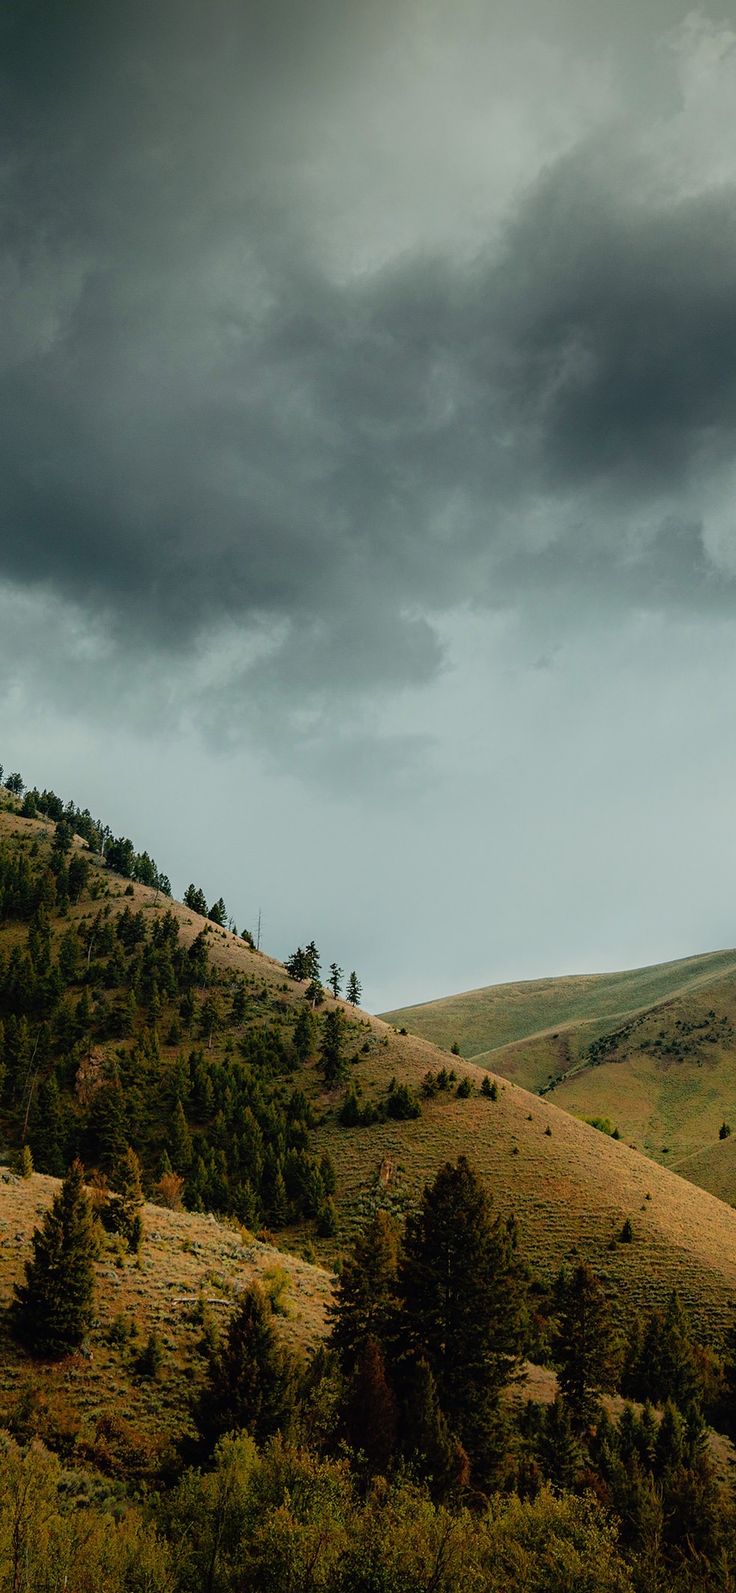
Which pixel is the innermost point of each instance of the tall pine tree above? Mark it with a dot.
(463, 1306)
(53, 1308)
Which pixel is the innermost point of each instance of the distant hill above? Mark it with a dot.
(484, 1020)
(652, 1050)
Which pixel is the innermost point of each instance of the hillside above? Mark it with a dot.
(570, 1186)
(652, 1051)
(488, 1019)
(191, 1268)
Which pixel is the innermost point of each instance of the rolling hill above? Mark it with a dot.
(653, 1051)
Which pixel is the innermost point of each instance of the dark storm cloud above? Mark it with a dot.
(207, 425)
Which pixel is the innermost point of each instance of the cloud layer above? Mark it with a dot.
(236, 432)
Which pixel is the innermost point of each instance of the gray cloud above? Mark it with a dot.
(210, 430)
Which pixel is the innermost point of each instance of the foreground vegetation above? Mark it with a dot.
(388, 1459)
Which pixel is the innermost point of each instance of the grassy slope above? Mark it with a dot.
(713, 1168)
(484, 1020)
(668, 1079)
(571, 1189)
(184, 1257)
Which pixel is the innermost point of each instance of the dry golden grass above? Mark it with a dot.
(186, 1259)
(714, 1169)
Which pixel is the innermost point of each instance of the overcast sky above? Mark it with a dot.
(368, 467)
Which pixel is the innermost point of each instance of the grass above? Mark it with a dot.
(484, 1020)
(186, 1260)
(651, 1049)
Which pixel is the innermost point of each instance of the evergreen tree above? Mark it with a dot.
(218, 913)
(250, 1380)
(107, 1127)
(180, 1141)
(195, 899)
(335, 979)
(463, 1305)
(354, 989)
(53, 1308)
(151, 1357)
(304, 1035)
(311, 963)
(666, 1366)
(560, 1451)
(586, 1346)
(26, 1162)
(332, 1062)
(429, 1444)
(296, 964)
(327, 1219)
(128, 1204)
(46, 1129)
(238, 1004)
(365, 1300)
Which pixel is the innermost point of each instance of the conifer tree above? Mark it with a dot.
(365, 1302)
(560, 1452)
(586, 1346)
(304, 1035)
(332, 1062)
(429, 1443)
(180, 1141)
(128, 1188)
(354, 989)
(250, 1379)
(312, 963)
(335, 979)
(53, 1308)
(46, 1129)
(463, 1305)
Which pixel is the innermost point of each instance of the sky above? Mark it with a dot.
(367, 466)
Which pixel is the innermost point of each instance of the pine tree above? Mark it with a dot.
(150, 1359)
(335, 979)
(327, 1219)
(312, 963)
(195, 899)
(354, 989)
(586, 1346)
(463, 1305)
(332, 1062)
(53, 1308)
(128, 1205)
(26, 1162)
(46, 1129)
(560, 1452)
(250, 1380)
(304, 1035)
(365, 1300)
(180, 1141)
(429, 1444)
